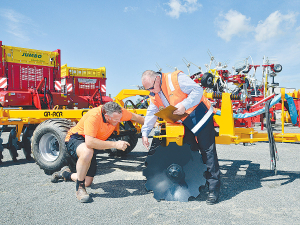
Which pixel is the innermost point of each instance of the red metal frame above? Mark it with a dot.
(33, 86)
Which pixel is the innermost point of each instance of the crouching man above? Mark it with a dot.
(90, 133)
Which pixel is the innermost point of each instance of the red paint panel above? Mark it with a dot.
(21, 76)
(15, 99)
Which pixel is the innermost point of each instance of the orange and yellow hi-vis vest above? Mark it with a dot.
(199, 114)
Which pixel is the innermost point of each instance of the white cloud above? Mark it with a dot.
(274, 25)
(233, 23)
(130, 8)
(185, 6)
(15, 23)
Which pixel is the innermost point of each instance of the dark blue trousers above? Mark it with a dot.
(207, 146)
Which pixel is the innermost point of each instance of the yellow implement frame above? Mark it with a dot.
(82, 72)
(172, 132)
(228, 134)
(20, 117)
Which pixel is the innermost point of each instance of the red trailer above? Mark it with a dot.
(34, 79)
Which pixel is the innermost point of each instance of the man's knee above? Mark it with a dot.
(85, 153)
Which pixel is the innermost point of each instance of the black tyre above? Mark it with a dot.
(218, 86)
(207, 80)
(48, 144)
(132, 139)
(26, 141)
(277, 68)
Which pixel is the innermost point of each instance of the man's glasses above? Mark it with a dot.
(152, 86)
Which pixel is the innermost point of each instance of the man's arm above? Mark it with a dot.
(149, 123)
(137, 118)
(150, 120)
(95, 143)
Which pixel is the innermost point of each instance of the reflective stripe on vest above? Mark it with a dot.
(202, 121)
(170, 82)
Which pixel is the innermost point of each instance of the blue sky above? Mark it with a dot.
(129, 37)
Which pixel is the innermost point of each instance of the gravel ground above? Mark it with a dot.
(250, 192)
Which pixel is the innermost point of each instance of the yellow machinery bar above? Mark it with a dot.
(125, 93)
(20, 117)
(29, 56)
(174, 132)
(38, 115)
(82, 72)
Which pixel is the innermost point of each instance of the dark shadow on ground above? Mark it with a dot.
(12, 163)
(133, 161)
(233, 183)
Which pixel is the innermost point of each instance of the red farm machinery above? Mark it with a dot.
(248, 94)
(32, 80)
(35, 79)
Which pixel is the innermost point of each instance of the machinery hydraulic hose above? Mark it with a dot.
(275, 100)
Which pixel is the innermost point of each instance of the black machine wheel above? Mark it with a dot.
(132, 139)
(26, 141)
(218, 86)
(48, 144)
(13, 144)
(277, 68)
(207, 80)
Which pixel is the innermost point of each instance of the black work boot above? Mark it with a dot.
(61, 175)
(213, 197)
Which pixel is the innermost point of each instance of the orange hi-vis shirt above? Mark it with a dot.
(94, 124)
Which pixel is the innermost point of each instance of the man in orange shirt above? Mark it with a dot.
(92, 132)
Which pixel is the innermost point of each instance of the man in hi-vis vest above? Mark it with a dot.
(178, 90)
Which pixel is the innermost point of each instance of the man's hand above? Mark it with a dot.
(180, 109)
(145, 142)
(121, 145)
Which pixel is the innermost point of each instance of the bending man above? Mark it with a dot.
(90, 134)
(179, 90)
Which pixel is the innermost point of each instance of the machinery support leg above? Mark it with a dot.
(26, 141)
(13, 144)
(1, 150)
(1, 146)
